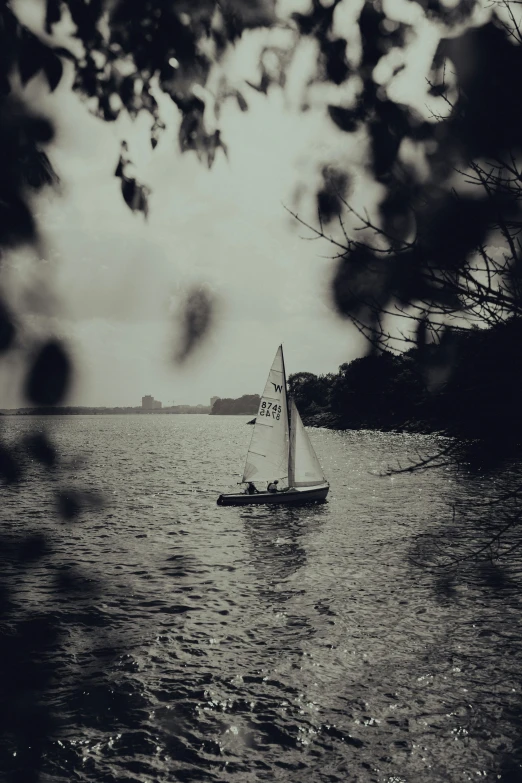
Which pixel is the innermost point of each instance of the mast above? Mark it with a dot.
(291, 460)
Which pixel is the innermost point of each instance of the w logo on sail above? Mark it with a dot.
(277, 386)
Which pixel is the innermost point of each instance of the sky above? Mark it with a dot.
(117, 281)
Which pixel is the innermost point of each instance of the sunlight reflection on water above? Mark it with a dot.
(263, 643)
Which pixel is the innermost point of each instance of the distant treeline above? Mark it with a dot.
(74, 410)
(247, 404)
(469, 386)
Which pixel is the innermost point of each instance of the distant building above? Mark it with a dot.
(148, 403)
(212, 401)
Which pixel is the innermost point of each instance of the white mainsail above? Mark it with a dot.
(304, 467)
(267, 457)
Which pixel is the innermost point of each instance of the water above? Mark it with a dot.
(258, 644)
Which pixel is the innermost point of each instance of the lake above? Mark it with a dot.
(203, 643)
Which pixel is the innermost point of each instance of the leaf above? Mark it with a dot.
(361, 284)
(337, 68)
(61, 51)
(346, 119)
(248, 14)
(196, 320)
(191, 128)
(53, 14)
(37, 129)
(7, 329)
(263, 85)
(5, 87)
(243, 105)
(193, 136)
(32, 548)
(16, 222)
(9, 468)
(35, 57)
(41, 448)
(155, 132)
(142, 203)
(437, 90)
(421, 334)
(69, 504)
(128, 189)
(330, 199)
(135, 195)
(119, 168)
(30, 59)
(53, 68)
(36, 169)
(49, 376)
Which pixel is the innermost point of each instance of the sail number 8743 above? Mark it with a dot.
(270, 409)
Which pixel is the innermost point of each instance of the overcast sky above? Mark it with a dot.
(121, 279)
(118, 280)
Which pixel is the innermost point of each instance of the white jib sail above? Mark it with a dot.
(305, 468)
(267, 457)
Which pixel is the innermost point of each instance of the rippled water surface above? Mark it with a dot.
(259, 644)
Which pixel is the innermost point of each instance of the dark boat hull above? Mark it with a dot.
(291, 498)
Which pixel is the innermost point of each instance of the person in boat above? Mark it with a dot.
(251, 489)
(272, 487)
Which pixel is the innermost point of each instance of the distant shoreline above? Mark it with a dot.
(234, 413)
(92, 411)
(323, 420)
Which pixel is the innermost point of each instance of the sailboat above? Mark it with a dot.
(280, 450)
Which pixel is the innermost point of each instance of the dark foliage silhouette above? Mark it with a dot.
(247, 404)
(49, 375)
(413, 391)
(310, 391)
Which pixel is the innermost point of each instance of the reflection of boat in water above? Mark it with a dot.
(280, 449)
